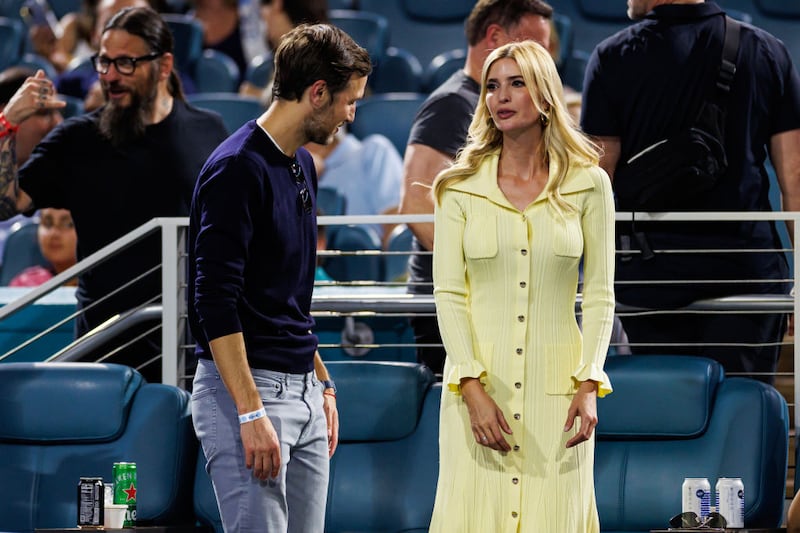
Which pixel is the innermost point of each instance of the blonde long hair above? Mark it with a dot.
(562, 142)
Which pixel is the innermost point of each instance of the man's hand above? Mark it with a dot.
(332, 420)
(262, 449)
(37, 94)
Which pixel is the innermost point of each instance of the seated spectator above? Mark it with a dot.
(368, 173)
(30, 132)
(74, 37)
(224, 31)
(280, 16)
(57, 241)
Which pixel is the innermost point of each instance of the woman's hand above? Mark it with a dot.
(584, 405)
(486, 419)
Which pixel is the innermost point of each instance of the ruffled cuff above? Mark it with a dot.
(595, 373)
(470, 369)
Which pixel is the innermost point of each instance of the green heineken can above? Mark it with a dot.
(125, 490)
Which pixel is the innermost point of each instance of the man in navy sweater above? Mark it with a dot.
(263, 404)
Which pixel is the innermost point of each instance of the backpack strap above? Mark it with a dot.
(730, 49)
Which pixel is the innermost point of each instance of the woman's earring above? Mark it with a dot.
(544, 120)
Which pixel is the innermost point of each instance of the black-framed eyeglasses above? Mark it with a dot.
(303, 195)
(690, 520)
(125, 65)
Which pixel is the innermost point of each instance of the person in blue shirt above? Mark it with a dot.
(263, 404)
(367, 172)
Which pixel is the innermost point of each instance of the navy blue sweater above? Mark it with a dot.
(253, 253)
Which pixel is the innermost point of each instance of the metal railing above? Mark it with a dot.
(361, 298)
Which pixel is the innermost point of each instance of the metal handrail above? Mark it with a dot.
(384, 300)
(78, 349)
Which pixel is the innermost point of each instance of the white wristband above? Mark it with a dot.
(252, 415)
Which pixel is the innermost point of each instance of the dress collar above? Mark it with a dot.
(484, 182)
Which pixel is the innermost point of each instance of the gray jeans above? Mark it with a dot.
(294, 502)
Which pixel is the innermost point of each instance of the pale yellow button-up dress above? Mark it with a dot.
(505, 283)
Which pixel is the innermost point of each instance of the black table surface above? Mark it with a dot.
(144, 529)
(744, 530)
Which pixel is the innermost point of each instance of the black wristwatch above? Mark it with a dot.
(328, 384)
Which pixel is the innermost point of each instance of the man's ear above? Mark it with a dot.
(318, 93)
(165, 66)
(495, 36)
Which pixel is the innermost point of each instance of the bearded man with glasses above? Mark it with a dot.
(135, 158)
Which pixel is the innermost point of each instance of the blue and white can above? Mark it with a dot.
(696, 496)
(730, 500)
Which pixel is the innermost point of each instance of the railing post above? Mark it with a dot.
(796, 276)
(170, 266)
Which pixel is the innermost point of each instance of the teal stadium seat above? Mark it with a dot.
(235, 109)
(187, 33)
(62, 7)
(369, 30)
(21, 251)
(442, 67)
(395, 267)
(331, 203)
(353, 238)
(61, 421)
(204, 500)
(12, 41)
(566, 39)
(259, 70)
(398, 71)
(672, 417)
(215, 72)
(36, 62)
(73, 108)
(390, 114)
(423, 27)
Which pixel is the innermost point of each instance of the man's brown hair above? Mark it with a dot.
(317, 52)
(505, 13)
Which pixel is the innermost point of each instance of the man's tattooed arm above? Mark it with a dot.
(9, 187)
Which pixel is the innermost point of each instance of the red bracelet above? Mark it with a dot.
(8, 127)
(327, 393)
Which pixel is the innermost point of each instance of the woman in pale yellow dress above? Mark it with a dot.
(520, 207)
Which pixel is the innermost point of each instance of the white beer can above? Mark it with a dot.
(696, 496)
(730, 500)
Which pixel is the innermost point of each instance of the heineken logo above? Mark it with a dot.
(131, 492)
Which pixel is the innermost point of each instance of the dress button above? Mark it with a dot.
(519, 351)
(523, 284)
(518, 385)
(521, 318)
(516, 447)
(524, 251)
(517, 416)
(515, 481)
(514, 514)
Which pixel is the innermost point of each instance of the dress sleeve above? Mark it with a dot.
(597, 222)
(451, 291)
